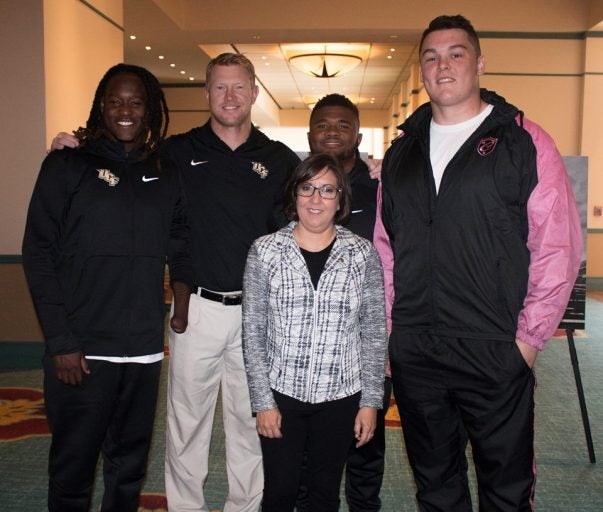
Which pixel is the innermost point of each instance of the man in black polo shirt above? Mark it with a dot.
(234, 178)
(334, 129)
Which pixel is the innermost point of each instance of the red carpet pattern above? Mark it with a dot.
(392, 418)
(152, 503)
(22, 414)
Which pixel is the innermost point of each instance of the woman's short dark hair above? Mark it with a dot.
(307, 170)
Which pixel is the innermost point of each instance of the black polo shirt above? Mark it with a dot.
(233, 197)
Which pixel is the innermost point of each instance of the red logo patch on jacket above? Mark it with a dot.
(486, 146)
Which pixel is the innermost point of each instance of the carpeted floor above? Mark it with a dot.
(567, 481)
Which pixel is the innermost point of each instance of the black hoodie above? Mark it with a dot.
(99, 227)
(233, 198)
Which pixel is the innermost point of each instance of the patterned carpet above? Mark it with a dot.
(22, 419)
(567, 481)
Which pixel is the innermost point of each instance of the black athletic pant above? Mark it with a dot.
(113, 412)
(445, 387)
(325, 431)
(365, 465)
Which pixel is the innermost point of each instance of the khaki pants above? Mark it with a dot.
(203, 359)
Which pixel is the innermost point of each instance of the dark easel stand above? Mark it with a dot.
(574, 357)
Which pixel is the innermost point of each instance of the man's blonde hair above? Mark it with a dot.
(230, 59)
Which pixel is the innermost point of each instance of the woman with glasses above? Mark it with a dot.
(314, 339)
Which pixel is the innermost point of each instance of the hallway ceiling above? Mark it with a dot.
(387, 56)
(188, 33)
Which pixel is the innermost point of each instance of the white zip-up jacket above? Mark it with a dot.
(313, 345)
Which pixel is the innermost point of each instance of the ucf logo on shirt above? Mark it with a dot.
(260, 168)
(108, 176)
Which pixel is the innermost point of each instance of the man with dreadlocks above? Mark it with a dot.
(234, 179)
(101, 221)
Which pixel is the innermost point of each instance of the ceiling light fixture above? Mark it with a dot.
(325, 65)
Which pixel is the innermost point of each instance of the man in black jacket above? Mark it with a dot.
(482, 241)
(234, 178)
(101, 221)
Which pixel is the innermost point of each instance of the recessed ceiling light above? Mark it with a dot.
(263, 57)
(147, 48)
(191, 78)
(392, 49)
(389, 56)
(183, 72)
(132, 37)
(172, 65)
(266, 63)
(161, 57)
(393, 37)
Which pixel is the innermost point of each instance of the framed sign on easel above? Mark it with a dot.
(575, 314)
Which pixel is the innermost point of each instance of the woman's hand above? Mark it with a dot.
(269, 423)
(365, 424)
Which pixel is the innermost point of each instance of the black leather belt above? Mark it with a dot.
(226, 300)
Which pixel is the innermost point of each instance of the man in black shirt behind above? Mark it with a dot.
(334, 129)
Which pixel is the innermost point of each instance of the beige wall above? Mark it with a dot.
(277, 21)
(594, 250)
(592, 140)
(592, 145)
(80, 45)
(18, 320)
(188, 108)
(22, 103)
(52, 53)
(548, 90)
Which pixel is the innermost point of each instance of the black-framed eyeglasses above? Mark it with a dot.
(326, 191)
